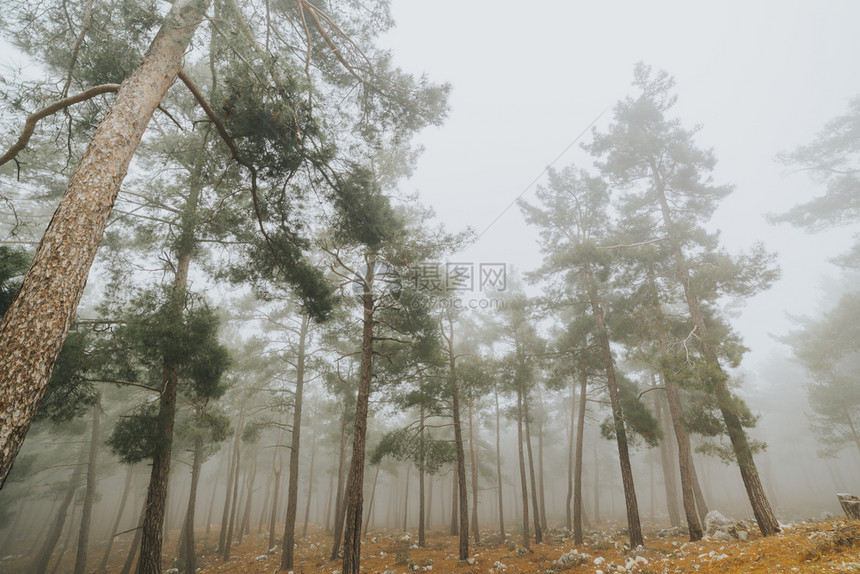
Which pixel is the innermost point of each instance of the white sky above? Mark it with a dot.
(760, 77)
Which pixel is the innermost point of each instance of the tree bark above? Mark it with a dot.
(35, 326)
(311, 482)
(355, 483)
(421, 534)
(502, 534)
(463, 550)
(90, 496)
(289, 544)
(535, 503)
(671, 486)
(473, 463)
(406, 501)
(187, 552)
(541, 495)
(523, 483)
(577, 488)
(370, 505)
(234, 497)
(762, 510)
(125, 490)
(455, 525)
(633, 524)
(339, 506)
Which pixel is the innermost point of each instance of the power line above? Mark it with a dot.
(541, 174)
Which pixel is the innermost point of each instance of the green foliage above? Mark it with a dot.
(135, 436)
(638, 419)
(364, 214)
(70, 393)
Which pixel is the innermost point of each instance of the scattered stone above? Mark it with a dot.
(715, 521)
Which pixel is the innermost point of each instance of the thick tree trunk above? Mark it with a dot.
(535, 503)
(43, 558)
(36, 325)
(633, 525)
(473, 463)
(522, 461)
(355, 482)
(499, 471)
(125, 490)
(187, 552)
(577, 477)
(762, 510)
(89, 498)
(289, 544)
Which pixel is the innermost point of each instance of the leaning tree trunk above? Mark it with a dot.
(762, 510)
(43, 558)
(289, 546)
(522, 461)
(633, 524)
(232, 477)
(35, 326)
(89, 497)
(354, 498)
(135, 544)
(370, 505)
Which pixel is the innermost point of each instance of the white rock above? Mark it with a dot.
(599, 560)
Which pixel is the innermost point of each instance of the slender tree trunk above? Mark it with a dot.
(421, 534)
(455, 525)
(339, 506)
(716, 382)
(274, 512)
(458, 441)
(541, 495)
(89, 498)
(633, 525)
(310, 481)
(406, 501)
(355, 482)
(669, 482)
(43, 558)
(596, 487)
(535, 504)
(265, 506)
(701, 506)
(69, 532)
(289, 544)
(502, 534)
(473, 462)
(35, 326)
(370, 505)
(570, 456)
(227, 528)
(578, 509)
(187, 552)
(125, 490)
(245, 526)
(523, 483)
(135, 544)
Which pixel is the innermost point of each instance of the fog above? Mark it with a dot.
(532, 88)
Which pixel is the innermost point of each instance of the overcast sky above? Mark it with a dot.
(759, 77)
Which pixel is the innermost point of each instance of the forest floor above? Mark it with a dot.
(813, 547)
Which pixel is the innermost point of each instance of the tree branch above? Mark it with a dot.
(33, 119)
